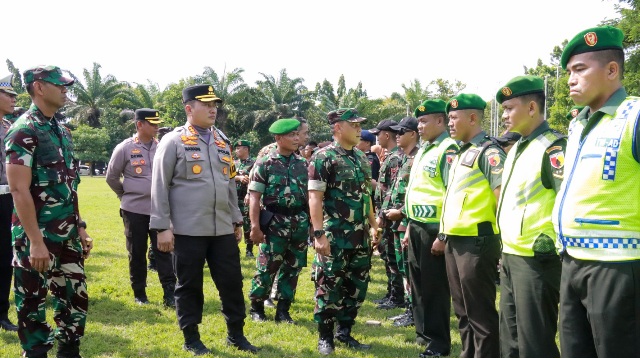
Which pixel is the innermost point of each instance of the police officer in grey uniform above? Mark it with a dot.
(7, 105)
(132, 159)
(194, 208)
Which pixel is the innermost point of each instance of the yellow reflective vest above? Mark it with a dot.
(597, 211)
(524, 211)
(469, 199)
(423, 201)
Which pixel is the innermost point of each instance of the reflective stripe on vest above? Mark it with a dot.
(597, 213)
(525, 207)
(425, 190)
(468, 200)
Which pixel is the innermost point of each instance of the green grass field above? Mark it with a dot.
(117, 327)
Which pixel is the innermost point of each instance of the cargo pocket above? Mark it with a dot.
(194, 167)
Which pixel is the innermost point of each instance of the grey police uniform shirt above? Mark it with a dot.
(134, 162)
(193, 186)
(4, 127)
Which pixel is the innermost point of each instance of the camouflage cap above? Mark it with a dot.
(5, 85)
(51, 74)
(344, 114)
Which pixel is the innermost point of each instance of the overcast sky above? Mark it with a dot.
(384, 44)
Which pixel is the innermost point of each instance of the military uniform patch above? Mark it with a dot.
(197, 169)
(135, 151)
(138, 170)
(557, 160)
(142, 162)
(590, 38)
(494, 159)
(195, 156)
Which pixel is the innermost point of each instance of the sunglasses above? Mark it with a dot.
(403, 131)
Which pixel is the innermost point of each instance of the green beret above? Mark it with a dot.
(466, 101)
(520, 86)
(574, 111)
(591, 40)
(284, 126)
(430, 106)
(243, 143)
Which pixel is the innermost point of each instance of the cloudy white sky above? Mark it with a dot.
(381, 43)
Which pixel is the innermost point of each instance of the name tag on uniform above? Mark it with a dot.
(469, 157)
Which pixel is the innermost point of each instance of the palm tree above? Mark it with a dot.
(230, 87)
(94, 97)
(274, 98)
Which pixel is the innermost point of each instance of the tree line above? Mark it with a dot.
(101, 108)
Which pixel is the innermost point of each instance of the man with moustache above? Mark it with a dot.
(469, 224)
(340, 191)
(423, 206)
(530, 272)
(597, 211)
(132, 160)
(194, 209)
(280, 184)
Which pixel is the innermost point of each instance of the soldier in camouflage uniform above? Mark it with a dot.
(244, 164)
(388, 171)
(7, 105)
(49, 237)
(343, 219)
(408, 141)
(280, 182)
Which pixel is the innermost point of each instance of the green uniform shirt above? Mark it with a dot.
(44, 145)
(388, 172)
(282, 181)
(553, 162)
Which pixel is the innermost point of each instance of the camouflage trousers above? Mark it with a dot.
(285, 249)
(66, 280)
(342, 280)
(402, 258)
(246, 224)
(386, 247)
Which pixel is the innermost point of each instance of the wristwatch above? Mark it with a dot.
(318, 233)
(82, 224)
(160, 230)
(442, 237)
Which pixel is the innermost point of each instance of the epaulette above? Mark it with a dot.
(224, 137)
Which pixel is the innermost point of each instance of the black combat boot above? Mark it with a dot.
(236, 338)
(168, 300)
(282, 312)
(344, 335)
(256, 312)
(325, 340)
(192, 342)
(6, 324)
(140, 296)
(250, 251)
(68, 349)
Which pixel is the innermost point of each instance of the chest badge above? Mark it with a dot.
(196, 169)
(138, 170)
(195, 156)
(225, 171)
(135, 151)
(142, 162)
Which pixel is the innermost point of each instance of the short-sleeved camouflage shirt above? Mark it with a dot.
(388, 172)
(45, 146)
(282, 182)
(243, 167)
(345, 180)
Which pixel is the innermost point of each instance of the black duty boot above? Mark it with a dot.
(257, 311)
(168, 300)
(34, 355)
(282, 312)
(250, 251)
(192, 342)
(68, 349)
(382, 299)
(140, 296)
(239, 341)
(325, 340)
(406, 321)
(344, 335)
(391, 303)
(6, 324)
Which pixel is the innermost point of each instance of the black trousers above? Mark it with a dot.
(223, 257)
(529, 294)
(136, 230)
(6, 252)
(429, 287)
(599, 309)
(471, 269)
